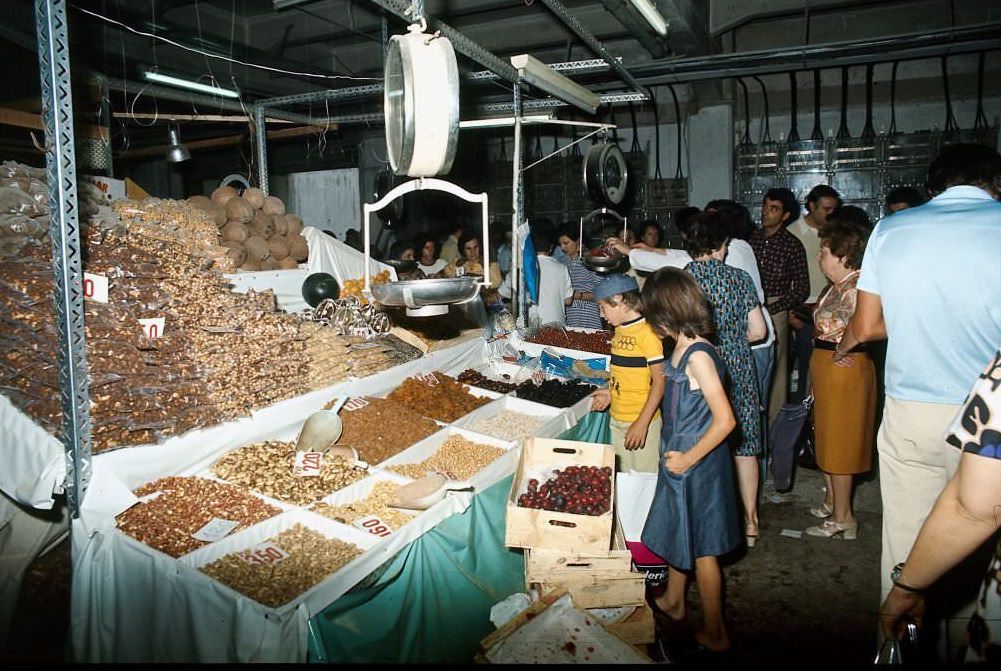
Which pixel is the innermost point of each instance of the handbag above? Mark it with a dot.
(784, 437)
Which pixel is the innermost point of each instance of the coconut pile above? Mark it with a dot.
(255, 228)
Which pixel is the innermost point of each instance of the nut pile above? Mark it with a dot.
(478, 379)
(376, 503)
(447, 400)
(508, 425)
(582, 490)
(599, 342)
(312, 557)
(458, 458)
(253, 230)
(557, 393)
(184, 506)
(268, 468)
(382, 428)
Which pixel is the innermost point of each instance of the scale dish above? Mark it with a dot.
(606, 264)
(421, 293)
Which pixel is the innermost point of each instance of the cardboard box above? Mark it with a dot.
(552, 530)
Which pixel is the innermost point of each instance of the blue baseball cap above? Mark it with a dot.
(615, 284)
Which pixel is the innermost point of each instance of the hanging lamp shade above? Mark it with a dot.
(176, 152)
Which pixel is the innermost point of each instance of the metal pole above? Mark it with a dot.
(67, 266)
(518, 214)
(261, 142)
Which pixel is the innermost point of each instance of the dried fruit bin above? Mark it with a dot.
(535, 349)
(553, 530)
(438, 413)
(554, 421)
(484, 475)
(316, 587)
(356, 504)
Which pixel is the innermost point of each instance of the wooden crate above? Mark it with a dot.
(541, 564)
(551, 530)
(590, 591)
(637, 629)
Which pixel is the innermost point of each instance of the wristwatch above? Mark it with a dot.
(895, 579)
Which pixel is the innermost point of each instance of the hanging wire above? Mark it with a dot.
(793, 122)
(893, 98)
(950, 119)
(656, 135)
(868, 131)
(746, 139)
(611, 120)
(575, 146)
(767, 136)
(980, 120)
(537, 151)
(677, 117)
(502, 155)
(843, 132)
(635, 146)
(817, 133)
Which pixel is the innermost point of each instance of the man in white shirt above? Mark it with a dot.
(555, 289)
(820, 202)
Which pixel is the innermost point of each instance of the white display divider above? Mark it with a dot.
(34, 461)
(183, 615)
(287, 285)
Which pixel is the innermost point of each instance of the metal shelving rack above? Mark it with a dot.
(64, 230)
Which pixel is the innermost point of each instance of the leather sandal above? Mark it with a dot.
(823, 511)
(830, 529)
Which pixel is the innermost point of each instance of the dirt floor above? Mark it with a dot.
(788, 600)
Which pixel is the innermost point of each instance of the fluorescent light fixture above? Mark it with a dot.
(649, 11)
(540, 75)
(159, 78)
(506, 121)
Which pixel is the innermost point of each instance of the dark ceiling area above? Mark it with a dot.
(269, 48)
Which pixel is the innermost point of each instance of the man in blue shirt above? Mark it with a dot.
(930, 284)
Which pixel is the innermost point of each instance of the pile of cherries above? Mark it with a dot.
(582, 490)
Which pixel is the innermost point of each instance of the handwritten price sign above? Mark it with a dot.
(263, 553)
(215, 529)
(429, 379)
(95, 287)
(374, 526)
(308, 464)
(357, 403)
(153, 327)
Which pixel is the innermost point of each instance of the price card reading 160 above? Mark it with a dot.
(374, 525)
(263, 553)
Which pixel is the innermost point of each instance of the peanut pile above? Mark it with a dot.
(312, 557)
(458, 458)
(446, 401)
(376, 503)
(268, 468)
(184, 506)
(382, 428)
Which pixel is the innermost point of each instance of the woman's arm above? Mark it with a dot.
(866, 325)
(702, 368)
(757, 330)
(965, 515)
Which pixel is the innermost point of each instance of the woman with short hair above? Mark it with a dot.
(583, 312)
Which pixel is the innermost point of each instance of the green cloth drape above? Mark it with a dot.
(431, 602)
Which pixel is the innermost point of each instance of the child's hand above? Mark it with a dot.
(601, 399)
(636, 436)
(677, 462)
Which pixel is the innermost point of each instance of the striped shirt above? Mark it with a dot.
(581, 313)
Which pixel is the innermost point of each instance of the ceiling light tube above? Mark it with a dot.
(540, 75)
(505, 121)
(153, 76)
(649, 11)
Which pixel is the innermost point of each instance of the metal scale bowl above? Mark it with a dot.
(604, 265)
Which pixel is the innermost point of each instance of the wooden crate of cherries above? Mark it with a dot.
(581, 490)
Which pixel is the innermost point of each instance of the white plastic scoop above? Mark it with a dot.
(429, 490)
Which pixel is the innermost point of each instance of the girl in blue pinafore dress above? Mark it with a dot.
(693, 518)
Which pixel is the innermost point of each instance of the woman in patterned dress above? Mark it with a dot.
(583, 312)
(739, 322)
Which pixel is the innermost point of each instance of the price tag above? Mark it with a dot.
(215, 529)
(364, 345)
(95, 287)
(538, 377)
(361, 331)
(308, 464)
(429, 379)
(374, 526)
(356, 403)
(263, 553)
(153, 327)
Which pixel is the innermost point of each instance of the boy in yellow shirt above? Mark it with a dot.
(636, 381)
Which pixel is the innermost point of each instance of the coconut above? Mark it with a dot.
(235, 231)
(254, 196)
(224, 194)
(251, 264)
(236, 252)
(238, 209)
(294, 223)
(201, 202)
(218, 214)
(273, 205)
(281, 223)
(279, 247)
(288, 263)
(297, 246)
(263, 225)
(257, 247)
(270, 264)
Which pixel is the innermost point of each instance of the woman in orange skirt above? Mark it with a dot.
(844, 410)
